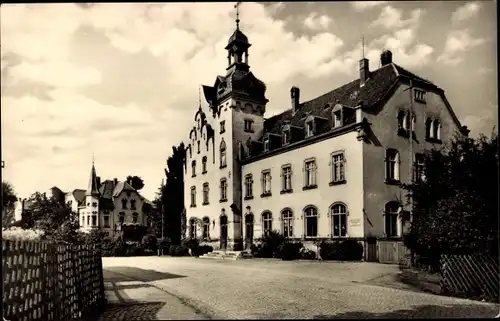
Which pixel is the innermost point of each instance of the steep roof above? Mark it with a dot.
(79, 195)
(93, 187)
(351, 94)
(122, 186)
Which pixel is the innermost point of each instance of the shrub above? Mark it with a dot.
(192, 244)
(178, 250)
(255, 249)
(270, 246)
(348, 250)
(17, 233)
(307, 254)
(203, 249)
(290, 250)
(329, 250)
(149, 242)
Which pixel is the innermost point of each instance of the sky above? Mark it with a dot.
(119, 83)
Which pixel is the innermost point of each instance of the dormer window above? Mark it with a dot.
(419, 96)
(286, 135)
(248, 126)
(266, 144)
(310, 128)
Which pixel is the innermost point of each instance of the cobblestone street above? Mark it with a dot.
(193, 288)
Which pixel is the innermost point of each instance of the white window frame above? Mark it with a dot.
(310, 172)
(310, 216)
(286, 136)
(392, 172)
(266, 181)
(249, 186)
(193, 195)
(310, 128)
(223, 152)
(266, 144)
(338, 163)
(287, 221)
(223, 189)
(206, 190)
(391, 216)
(286, 173)
(339, 214)
(267, 222)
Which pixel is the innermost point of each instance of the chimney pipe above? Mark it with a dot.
(364, 71)
(295, 95)
(386, 57)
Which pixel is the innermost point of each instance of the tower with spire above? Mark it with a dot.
(92, 199)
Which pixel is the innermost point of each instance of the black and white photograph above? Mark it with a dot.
(249, 160)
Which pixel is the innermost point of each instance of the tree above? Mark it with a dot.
(456, 206)
(136, 182)
(8, 204)
(170, 201)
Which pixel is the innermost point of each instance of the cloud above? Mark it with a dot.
(465, 12)
(457, 43)
(364, 5)
(317, 22)
(391, 18)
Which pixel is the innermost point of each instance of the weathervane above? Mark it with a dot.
(237, 6)
(93, 158)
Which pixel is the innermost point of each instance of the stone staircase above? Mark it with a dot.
(227, 255)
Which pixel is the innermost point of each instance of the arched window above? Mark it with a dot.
(391, 165)
(206, 228)
(428, 128)
(192, 228)
(436, 129)
(287, 219)
(204, 165)
(311, 221)
(135, 217)
(339, 220)
(402, 120)
(391, 219)
(206, 190)
(267, 222)
(223, 154)
(121, 217)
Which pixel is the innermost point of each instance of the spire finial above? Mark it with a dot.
(237, 6)
(362, 46)
(199, 96)
(93, 158)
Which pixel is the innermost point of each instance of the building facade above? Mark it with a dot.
(107, 205)
(327, 168)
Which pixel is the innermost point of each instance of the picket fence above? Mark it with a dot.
(51, 282)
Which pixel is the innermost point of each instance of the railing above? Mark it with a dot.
(51, 282)
(472, 276)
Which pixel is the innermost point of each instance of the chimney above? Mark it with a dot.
(386, 57)
(364, 71)
(98, 179)
(115, 180)
(295, 95)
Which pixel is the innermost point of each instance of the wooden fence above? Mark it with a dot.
(472, 276)
(51, 282)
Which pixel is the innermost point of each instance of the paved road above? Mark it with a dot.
(224, 289)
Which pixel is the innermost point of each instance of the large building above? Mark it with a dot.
(327, 168)
(107, 205)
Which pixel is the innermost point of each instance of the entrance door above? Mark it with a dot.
(223, 232)
(248, 231)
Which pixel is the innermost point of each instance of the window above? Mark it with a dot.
(266, 144)
(121, 217)
(192, 228)
(339, 220)
(94, 220)
(132, 204)
(436, 130)
(286, 136)
(193, 196)
(429, 131)
(204, 165)
(402, 120)
(337, 118)
(193, 168)
(223, 189)
(106, 221)
(223, 154)
(338, 170)
(190, 151)
(124, 204)
(413, 122)
(419, 95)
(311, 215)
(135, 217)
(391, 165)
(391, 219)
(248, 186)
(94, 204)
(206, 228)
(310, 173)
(310, 128)
(286, 178)
(267, 221)
(266, 182)
(198, 143)
(248, 125)
(223, 127)
(287, 219)
(69, 203)
(205, 193)
(419, 167)
(88, 220)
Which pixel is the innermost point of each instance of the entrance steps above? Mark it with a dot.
(227, 255)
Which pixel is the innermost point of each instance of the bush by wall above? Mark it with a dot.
(178, 250)
(348, 250)
(307, 254)
(203, 249)
(290, 250)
